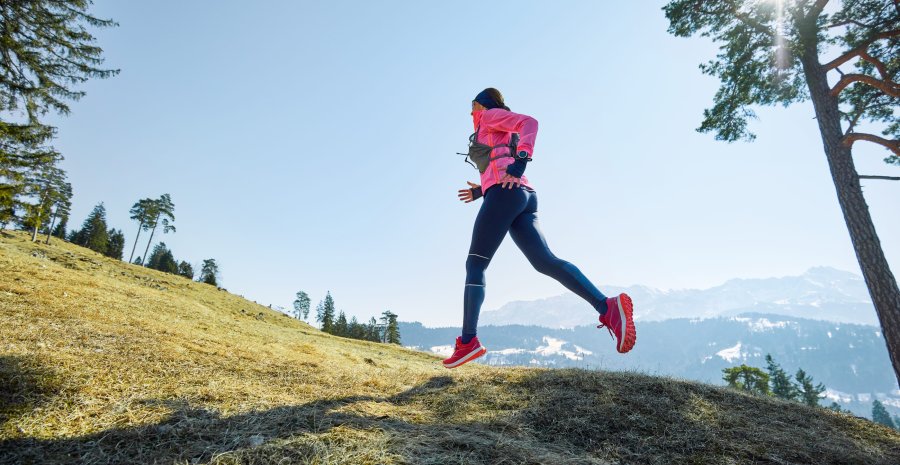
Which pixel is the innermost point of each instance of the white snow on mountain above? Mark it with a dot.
(730, 354)
(554, 346)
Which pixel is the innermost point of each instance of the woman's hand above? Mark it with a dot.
(468, 195)
(509, 181)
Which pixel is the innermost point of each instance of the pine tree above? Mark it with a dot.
(44, 187)
(62, 207)
(301, 305)
(782, 387)
(837, 408)
(747, 378)
(163, 211)
(185, 269)
(137, 261)
(372, 332)
(880, 415)
(325, 314)
(391, 327)
(143, 211)
(340, 325)
(47, 50)
(116, 245)
(209, 272)
(356, 330)
(94, 233)
(162, 259)
(809, 394)
(770, 55)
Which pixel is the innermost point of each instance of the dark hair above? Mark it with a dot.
(494, 96)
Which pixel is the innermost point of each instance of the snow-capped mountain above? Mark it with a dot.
(851, 360)
(820, 294)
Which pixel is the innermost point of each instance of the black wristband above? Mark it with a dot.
(476, 192)
(517, 168)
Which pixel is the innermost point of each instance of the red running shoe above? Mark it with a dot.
(619, 322)
(465, 352)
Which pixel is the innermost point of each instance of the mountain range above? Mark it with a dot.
(821, 293)
(821, 321)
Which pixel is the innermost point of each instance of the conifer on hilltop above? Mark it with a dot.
(301, 305)
(881, 416)
(809, 394)
(209, 272)
(747, 378)
(47, 51)
(771, 53)
(782, 387)
(93, 233)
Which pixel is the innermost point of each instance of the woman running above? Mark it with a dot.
(501, 147)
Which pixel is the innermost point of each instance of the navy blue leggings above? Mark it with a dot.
(515, 210)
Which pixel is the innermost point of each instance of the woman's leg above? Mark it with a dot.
(498, 210)
(526, 233)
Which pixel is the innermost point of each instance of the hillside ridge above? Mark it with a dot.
(102, 361)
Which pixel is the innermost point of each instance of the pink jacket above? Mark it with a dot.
(497, 126)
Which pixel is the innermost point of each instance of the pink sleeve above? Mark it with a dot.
(499, 119)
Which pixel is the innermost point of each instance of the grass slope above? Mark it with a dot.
(106, 362)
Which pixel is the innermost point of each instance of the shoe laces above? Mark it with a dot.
(611, 334)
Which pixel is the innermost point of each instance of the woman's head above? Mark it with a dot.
(487, 99)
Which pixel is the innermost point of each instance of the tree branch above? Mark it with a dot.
(886, 178)
(816, 9)
(892, 145)
(887, 87)
(878, 64)
(860, 49)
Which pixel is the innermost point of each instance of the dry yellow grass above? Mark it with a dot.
(106, 362)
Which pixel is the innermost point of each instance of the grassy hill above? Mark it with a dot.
(106, 362)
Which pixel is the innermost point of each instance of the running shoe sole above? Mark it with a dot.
(468, 358)
(629, 336)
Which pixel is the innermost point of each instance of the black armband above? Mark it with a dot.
(476, 192)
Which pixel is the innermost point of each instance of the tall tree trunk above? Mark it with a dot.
(34, 233)
(875, 269)
(140, 226)
(152, 231)
(52, 223)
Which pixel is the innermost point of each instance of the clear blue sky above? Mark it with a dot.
(310, 146)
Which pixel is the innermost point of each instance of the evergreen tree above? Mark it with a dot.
(143, 211)
(301, 305)
(391, 327)
(60, 229)
(356, 330)
(372, 332)
(47, 50)
(185, 269)
(837, 408)
(809, 394)
(163, 212)
(44, 188)
(770, 55)
(162, 259)
(116, 245)
(137, 261)
(340, 325)
(880, 415)
(747, 378)
(782, 387)
(325, 313)
(209, 272)
(94, 233)
(62, 207)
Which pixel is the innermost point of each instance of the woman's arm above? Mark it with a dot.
(499, 119)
